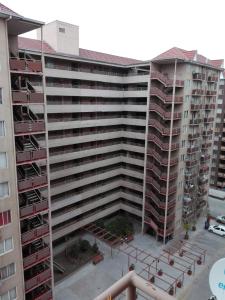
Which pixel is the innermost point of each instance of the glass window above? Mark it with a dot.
(2, 128)
(5, 217)
(3, 160)
(10, 295)
(6, 245)
(7, 271)
(62, 30)
(4, 189)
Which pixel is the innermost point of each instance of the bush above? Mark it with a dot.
(84, 245)
(120, 226)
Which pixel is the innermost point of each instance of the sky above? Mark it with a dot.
(139, 29)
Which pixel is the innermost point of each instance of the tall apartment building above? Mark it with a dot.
(85, 135)
(218, 161)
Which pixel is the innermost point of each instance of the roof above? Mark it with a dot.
(5, 10)
(35, 45)
(178, 53)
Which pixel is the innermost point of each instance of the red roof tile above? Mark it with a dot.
(35, 45)
(5, 10)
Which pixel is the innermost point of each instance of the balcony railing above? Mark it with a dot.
(162, 160)
(37, 279)
(154, 91)
(191, 150)
(193, 136)
(196, 107)
(162, 128)
(161, 174)
(27, 127)
(198, 92)
(47, 295)
(25, 65)
(191, 163)
(199, 76)
(35, 233)
(210, 93)
(165, 80)
(32, 155)
(204, 168)
(195, 121)
(33, 208)
(21, 97)
(160, 218)
(160, 203)
(207, 132)
(159, 188)
(32, 182)
(161, 145)
(36, 257)
(167, 115)
(209, 106)
(212, 79)
(208, 120)
(206, 145)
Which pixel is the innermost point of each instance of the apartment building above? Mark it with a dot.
(218, 161)
(86, 135)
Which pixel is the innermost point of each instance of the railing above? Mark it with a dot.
(162, 129)
(210, 93)
(154, 91)
(160, 174)
(24, 127)
(193, 136)
(33, 208)
(160, 203)
(163, 146)
(207, 132)
(36, 257)
(32, 155)
(166, 81)
(160, 218)
(191, 163)
(35, 233)
(204, 168)
(37, 279)
(20, 97)
(32, 182)
(209, 106)
(195, 121)
(198, 92)
(159, 188)
(196, 107)
(199, 76)
(47, 295)
(212, 78)
(206, 145)
(208, 120)
(192, 149)
(27, 65)
(164, 114)
(161, 160)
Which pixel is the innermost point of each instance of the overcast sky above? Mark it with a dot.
(138, 29)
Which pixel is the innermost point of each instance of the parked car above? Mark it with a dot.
(220, 219)
(217, 229)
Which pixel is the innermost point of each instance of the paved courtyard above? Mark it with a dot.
(90, 280)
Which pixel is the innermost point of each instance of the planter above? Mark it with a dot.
(199, 261)
(181, 254)
(131, 267)
(171, 262)
(152, 279)
(189, 272)
(179, 284)
(160, 272)
(97, 258)
(193, 228)
(171, 291)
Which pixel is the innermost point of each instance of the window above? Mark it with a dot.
(5, 217)
(62, 30)
(2, 128)
(6, 246)
(183, 143)
(1, 100)
(7, 271)
(10, 295)
(4, 189)
(3, 160)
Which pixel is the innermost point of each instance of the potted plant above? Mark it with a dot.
(171, 262)
(160, 272)
(189, 272)
(199, 261)
(179, 284)
(131, 267)
(181, 254)
(152, 279)
(171, 291)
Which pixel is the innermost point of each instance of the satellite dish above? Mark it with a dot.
(217, 279)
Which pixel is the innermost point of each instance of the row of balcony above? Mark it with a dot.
(166, 99)
(159, 202)
(30, 155)
(25, 65)
(162, 160)
(161, 174)
(29, 126)
(161, 190)
(197, 107)
(202, 76)
(26, 97)
(155, 75)
(167, 115)
(38, 279)
(206, 145)
(191, 163)
(160, 218)
(163, 146)
(33, 208)
(162, 128)
(34, 233)
(36, 257)
(192, 149)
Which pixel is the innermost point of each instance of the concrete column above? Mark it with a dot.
(131, 292)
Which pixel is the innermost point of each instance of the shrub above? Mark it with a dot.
(84, 245)
(120, 226)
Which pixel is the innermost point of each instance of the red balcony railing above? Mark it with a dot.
(32, 182)
(199, 76)
(162, 128)
(206, 145)
(198, 92)
(162, 160)
(204, 168)
(160, 218)
(161, 145)
(36, 257)
(161, 174)
(165, 80)
(169, 231)
(27, 127)
(37, 279)
(193, 136)
(167, 115)
(159, 188)
(210, 106)
(21, 97)
(196, 107)
(33, 208)
(191, 163)
(154, 91)
(47, 295)
(34, 234)
(208, 120)
(191, 150)
(33, 155)
(212, 79)
(159, 202)
(207, 132)
(150, 222)
(26, 65)
(211, 93)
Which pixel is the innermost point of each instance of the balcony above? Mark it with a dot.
(25, 65)
(193, 136)
(159, 188)
(155, 75)
(210, 93)
(29, 183)
(167, 115)
(162, 128)
(37, 279)
(161, 159)
(28, 126)
(207, 132)
(195, 122)
(208, 120)
(35, 233)
(45, 294)
(209, 106)
(198, 92)
(191, 149)
(161, 145)
(199, 76)
(196, 107)
(36, 257)
(154, 91)
(159, 202)
(161, 174)
(29, 156)
(21, 97)
(205, 158)
(212, 79)
(204, 168)
(31, 209)
(160, 218)
(206, 145)
(191, 163)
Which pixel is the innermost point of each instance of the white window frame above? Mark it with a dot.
(7, 266)
(6, 196)
(4, 247)
(8, 294)
(6, 157)
(4, 128)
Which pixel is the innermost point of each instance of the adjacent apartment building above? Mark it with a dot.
(84, 135)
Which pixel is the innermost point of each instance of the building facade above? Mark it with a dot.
(85, 135)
